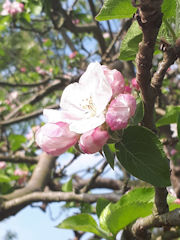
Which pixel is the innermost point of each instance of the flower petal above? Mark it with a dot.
(98, 86)
(52, 115)
(84, 125)
(72, 100)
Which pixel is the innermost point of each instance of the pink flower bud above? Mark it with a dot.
(75, 21)
(106, 35)
(19, 172)
(22, 174)
(12, 8)
(93, 140)
(13, 95)
(23, 69)
(177, 201)
(72, 55)
(2, 165)
(115, 79)
(120, 110)
(7, 101)
(17, 7)
(135, 84)
(31, 133)
(55, 138)
(173, 152)
(44, 40)
(40, 71)
(127, 89)
(42, 61)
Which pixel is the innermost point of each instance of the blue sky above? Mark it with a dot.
(33, 224)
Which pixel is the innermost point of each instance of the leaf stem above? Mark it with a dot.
(105, 234)
(170, 29)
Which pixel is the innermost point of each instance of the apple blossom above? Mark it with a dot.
(12, 8)
(22, 175)
(83, 104)
(31, 133)
(93, 140)
(40, 71)
(2, 165)
(177, 201)
(23, 69)
(13, 95)
(106, 35)
(120, 110)
(97, 99)
(135, 84)
(127, 89)
(72, 55)
(44, 40)
(115, 79)
(75, 21)
(173, 152)
(55, 138)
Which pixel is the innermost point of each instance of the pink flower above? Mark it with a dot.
(72, 55)
(13, 96)
(23, 69)
(115, 79)
(75, 21)
(31, 133)
(120, 110)
(22, 174)
(127, 89)
(106, 35)
(93, 140)
(173, 152)
(44, 40)
(7, 101)
(177, 201)
(135, 84)
(12, 8)
(2, 165)
(42, 61)
(40, 71)
(55, 138)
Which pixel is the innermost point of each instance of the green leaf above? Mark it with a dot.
(130, 43)
(170, 116)
(169, 8)
(140, 152)
(136, 203)
(139, 114)
(4, 178)
(178, 125)
(16, 141)
(81, 222)
(68, 186)
(113, 9)
(177, 20)
(101, 204)
(109, 155)
(171, 202)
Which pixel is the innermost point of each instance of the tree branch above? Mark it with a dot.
(27, 116)
(167, 219)
(19, 159)
(39, 178)
(11, 207)
(149, 18)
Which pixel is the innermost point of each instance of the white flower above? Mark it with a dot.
(83, 104)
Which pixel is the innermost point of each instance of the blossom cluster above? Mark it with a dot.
(12, 8)
(90, 110)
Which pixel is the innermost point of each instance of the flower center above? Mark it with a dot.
(88, 107)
